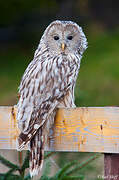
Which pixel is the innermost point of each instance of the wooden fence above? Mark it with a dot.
(84, 129)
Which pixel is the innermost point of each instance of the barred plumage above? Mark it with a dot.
(48, 83)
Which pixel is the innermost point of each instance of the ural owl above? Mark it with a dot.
(48, 83)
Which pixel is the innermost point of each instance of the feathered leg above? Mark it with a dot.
(37, 152)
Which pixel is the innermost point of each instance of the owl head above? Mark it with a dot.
(64, 37)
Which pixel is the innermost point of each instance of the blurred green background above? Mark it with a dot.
(23, 22)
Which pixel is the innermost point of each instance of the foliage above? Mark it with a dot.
(67, 172)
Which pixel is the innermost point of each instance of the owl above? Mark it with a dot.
(47, 84)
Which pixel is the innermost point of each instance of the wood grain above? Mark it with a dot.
(86, 129)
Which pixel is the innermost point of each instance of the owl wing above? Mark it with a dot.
(43, 86)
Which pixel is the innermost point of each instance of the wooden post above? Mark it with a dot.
(111, 166)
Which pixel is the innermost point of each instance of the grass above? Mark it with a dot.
(97, 84)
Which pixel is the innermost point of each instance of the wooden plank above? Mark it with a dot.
(86, 129)
(8, 128)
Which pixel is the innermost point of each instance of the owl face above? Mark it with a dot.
(64, 37)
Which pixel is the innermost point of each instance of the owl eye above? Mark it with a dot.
(56, 38)
(70, 37)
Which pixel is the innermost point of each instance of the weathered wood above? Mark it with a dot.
(111, 166)
(91, 129)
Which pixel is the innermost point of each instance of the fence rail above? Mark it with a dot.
(84, 129)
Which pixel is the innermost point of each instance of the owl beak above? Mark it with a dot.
(63, 46)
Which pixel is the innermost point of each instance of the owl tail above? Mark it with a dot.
(37, 153)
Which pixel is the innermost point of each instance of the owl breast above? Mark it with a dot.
(64, 71)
